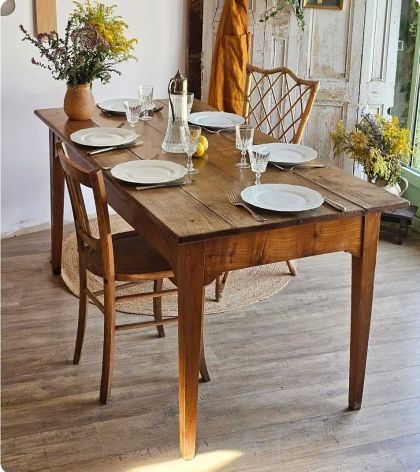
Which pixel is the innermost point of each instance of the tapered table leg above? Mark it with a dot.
(190, 281)
(57, 206)
(363, 272)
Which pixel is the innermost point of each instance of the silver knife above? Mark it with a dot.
(179, 184)
(112, 148)
(334, 204)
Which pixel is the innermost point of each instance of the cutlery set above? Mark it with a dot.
(113, 148)
(170, 184)
(290, 167)
(236, 200)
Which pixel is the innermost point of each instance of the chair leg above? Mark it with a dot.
(83, 305)
(218, 288)
(204, 373)
(109, 343)
(157, 307)
(292, 267)
(221, 282)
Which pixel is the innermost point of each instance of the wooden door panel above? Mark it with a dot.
(352, 52)
(380, 55)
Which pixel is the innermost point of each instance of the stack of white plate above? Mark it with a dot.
(103, 137)
(282, 197)
(283, 153)
(215, 120)
(148, 172)
(116, 105)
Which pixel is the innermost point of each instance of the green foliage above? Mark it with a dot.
(279, 6)
(409, 51)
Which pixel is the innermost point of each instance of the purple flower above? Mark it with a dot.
(42, 36)
(88, 39)
(376, 131)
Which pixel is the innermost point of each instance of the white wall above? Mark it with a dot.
(159, 25)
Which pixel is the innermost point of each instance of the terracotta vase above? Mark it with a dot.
(79, 103)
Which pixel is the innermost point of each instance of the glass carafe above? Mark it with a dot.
(177, 115)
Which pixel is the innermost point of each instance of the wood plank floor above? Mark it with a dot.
(278, 395)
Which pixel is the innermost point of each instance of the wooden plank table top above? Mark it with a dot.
(202, 234)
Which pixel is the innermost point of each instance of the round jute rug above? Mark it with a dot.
(244, 287)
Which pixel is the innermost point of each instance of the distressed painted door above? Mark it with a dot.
(350, 51)
(331, 52)
(380, 48)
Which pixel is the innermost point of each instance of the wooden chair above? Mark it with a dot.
(124, 257)
(277, 102)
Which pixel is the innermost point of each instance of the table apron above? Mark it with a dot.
(280, 244)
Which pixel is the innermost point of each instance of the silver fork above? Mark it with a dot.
(234, 200)
(213, 131)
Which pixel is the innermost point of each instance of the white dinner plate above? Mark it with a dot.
(103, 136)
(284, 153)
(282, 197)
(148, 172)
(116, 105)
(215, 119)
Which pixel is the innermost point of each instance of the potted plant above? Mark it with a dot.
(93, 44)
(295, 5)
(380, 145)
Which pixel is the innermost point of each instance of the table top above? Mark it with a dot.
(202, 210)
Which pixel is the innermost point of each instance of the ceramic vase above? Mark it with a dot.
(397, 189)
(79, 103)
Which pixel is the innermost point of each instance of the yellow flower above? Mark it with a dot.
(377, 143)
(107, 25)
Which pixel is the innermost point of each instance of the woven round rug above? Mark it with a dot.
(244, 287)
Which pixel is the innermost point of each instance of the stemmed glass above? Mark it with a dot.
(146, 101)
(244, 138)
(190, 137)
(259, 161)
(132, 112)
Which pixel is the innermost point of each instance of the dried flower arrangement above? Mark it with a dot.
(378, 144)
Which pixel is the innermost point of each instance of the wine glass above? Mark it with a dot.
(259, 161)
(190, 137)
(146, 101)
(132, 112)
(244, 138)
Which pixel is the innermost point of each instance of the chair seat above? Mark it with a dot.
(134, 259)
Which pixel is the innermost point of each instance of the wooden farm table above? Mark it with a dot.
(202, 235)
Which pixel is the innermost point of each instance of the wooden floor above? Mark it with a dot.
(277, 399)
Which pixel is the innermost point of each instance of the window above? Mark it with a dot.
(407, 96)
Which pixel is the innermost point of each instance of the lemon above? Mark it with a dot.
(204, 142)
(200, 150)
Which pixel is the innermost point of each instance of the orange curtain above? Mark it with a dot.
(230, 57)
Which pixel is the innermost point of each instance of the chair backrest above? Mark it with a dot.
(76, 177)
(278, 102)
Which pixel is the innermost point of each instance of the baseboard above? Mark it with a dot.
(42, 227)
(26, 230)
